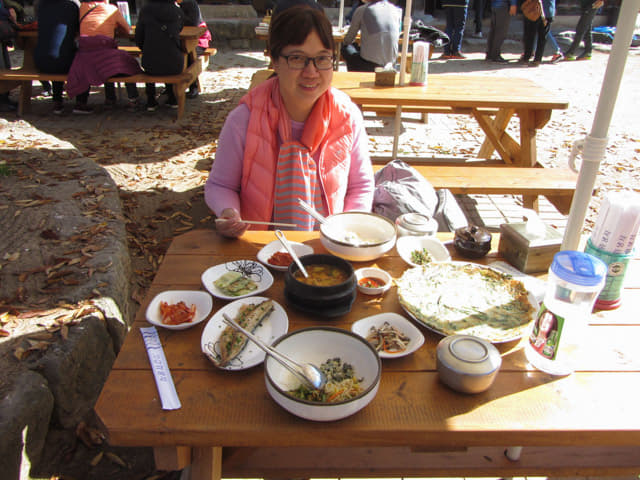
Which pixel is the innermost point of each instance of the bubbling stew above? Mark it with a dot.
(322, 275)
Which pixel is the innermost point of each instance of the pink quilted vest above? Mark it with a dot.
(327, 130)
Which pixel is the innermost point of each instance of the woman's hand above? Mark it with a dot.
(230, 224)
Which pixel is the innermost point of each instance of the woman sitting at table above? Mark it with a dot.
(98, 57)
(293, 136)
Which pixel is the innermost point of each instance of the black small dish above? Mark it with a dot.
(472, 241)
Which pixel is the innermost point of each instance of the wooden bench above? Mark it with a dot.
(556, 184)
(22, 78)
(135, 51)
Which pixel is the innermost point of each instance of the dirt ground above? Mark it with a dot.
(160, 166)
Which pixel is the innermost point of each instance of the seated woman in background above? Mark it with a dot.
(158, 36)
(193, 18)
(293, 136)
(98, 57)
(56, 47)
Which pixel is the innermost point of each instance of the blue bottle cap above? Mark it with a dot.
(578, 268)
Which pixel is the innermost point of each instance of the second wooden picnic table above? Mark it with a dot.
(491, 102)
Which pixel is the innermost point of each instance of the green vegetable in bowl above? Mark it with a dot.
(421, 257)
(234, 284)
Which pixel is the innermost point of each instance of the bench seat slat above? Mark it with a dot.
(557, 184)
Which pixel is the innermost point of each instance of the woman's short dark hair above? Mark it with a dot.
(293, 26)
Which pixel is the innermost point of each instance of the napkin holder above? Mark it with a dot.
(529, 249)
(385, 77)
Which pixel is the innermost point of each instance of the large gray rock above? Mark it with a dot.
(76, 369)
(66, 231)
(25, 414)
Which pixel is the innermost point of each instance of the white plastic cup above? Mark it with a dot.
(419, 63)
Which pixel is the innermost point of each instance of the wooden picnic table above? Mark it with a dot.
(492, 102)
(584, 424)
(27, 40)
(262, 33)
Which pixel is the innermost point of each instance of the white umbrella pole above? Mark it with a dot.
(341, 15)
(595, 143)
(406, 27)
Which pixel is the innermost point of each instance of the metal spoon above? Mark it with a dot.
(285, 243)
(309, 374)
(311, 211)
(332, 230)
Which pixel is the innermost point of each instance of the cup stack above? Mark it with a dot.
(612, 240)
(420, 63)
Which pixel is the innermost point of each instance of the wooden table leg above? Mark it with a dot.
(207, 463)
(497, 137)
(499, 126)
(528, 153)
(24, 102)
(172, 458)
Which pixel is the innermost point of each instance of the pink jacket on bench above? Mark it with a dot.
(98, 59)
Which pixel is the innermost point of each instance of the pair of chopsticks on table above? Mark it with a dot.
(256, 222)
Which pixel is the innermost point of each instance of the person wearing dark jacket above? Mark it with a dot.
(58, 28)
(193, 18)
(158, 36)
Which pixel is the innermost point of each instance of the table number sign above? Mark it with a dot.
(164, 382)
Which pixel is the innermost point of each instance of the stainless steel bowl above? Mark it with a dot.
(466, 363)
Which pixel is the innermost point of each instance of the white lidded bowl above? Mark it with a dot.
(358, 236)
(317, 345)
(466, 363)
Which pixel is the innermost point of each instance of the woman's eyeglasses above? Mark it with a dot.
(300, 62)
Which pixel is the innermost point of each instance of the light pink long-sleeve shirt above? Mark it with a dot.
(223, 185)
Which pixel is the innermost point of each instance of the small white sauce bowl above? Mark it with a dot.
(376, 273)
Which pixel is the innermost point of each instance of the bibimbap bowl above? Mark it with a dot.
(358, 236)
(317, 345)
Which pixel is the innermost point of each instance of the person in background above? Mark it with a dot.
(292, 137)
(478, 10)
(456, 11)
(6, 14)
(193, 18)
(588, 9)
(378, 22)
(98, 57)
(535, 33)
(282, 5)
(501, 13)
(158, 36)
(558, 55)
(56, 48)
